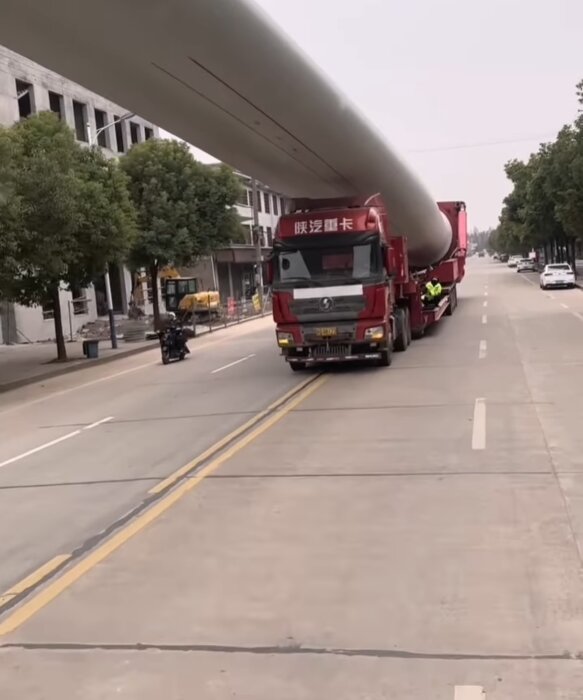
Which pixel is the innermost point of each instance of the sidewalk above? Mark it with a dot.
(21, 365)
(26, 364)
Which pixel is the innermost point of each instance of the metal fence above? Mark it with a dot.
(232, 313)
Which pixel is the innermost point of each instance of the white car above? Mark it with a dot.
(526, 265)
(557, 275)
(513, 260)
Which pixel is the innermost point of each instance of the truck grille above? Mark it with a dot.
(311, 307)
(335, 350)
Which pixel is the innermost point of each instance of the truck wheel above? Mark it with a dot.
(401, 341)
(452, 301)
(385, 359)
(297, 366)
(409, 331)
(386, 356)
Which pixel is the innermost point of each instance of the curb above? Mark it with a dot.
(120, 355)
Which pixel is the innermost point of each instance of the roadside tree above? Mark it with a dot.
(65, 214)
(185, 209)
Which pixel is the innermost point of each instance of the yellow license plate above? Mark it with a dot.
(326, 332)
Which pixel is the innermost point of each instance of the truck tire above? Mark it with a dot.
(452, 301)
(409, 330)
(386, 358)
(297, 366)
(402, 330)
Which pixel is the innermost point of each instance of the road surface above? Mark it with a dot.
(413, 532)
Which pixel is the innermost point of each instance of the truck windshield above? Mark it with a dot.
(332, 264)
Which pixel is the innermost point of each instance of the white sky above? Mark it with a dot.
(437, 74)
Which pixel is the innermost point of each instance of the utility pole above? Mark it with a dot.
(257, 241)
(92, 140)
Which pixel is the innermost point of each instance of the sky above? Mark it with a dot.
(458, 87)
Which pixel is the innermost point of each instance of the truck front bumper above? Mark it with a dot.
(333, 353)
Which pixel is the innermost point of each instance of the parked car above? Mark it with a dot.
(526, 265)
(557, 275)
(513, 260)
(503, 257)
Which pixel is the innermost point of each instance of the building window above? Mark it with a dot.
(267, 202)
(269, 236)
(250, 228)
(56, 104)
(258, 200)
(100, 123)
(119, 139)
(79, 300)
(282, 200)
(135, 132)
(244, 198)
(80, 114)
(48, 310)
(275, 207)
(24, 97)
(148, 133)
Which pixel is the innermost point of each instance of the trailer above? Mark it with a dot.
(343, 286)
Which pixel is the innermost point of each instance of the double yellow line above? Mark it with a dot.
(258, 425)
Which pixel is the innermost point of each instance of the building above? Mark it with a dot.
(232, 270)
(25, 89)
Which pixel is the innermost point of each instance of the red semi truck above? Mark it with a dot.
(342, 285)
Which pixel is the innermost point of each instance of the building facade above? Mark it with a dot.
(233, 270)
(27, 88)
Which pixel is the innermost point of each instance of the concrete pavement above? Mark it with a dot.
(412, 532)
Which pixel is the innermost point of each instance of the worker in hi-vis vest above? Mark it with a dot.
(433, 291)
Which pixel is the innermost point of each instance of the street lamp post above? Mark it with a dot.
(92, 140)
(257, 241)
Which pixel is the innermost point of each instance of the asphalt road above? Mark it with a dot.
(412, 532)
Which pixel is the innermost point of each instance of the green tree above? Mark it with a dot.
(68, 208)
(185, 209)
(545, 206)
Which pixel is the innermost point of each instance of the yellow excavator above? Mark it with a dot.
(186, 300)
(199, 304)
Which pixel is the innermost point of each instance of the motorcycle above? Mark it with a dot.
(173, 344)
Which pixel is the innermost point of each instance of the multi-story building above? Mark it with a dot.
(25, 89)
(232, 270)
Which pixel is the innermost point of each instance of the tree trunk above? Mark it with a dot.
(59, 337)
(155, 300)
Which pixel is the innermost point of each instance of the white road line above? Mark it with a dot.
(469, 692)
(98, 422)
(485, 304)
(479, 426)
(483, 351)
(578, 315)
(564, 306)
(486, 293)
(484, 319)
(56, 441)
(232, 364)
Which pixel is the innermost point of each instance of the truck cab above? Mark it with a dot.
(332, 296)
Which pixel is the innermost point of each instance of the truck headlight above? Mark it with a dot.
(284, 339)
(375, 333)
